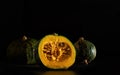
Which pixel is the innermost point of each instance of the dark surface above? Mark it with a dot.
(97, 21)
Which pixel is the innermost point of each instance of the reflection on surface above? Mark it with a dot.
(56, 73)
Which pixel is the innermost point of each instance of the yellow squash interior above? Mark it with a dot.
(56, 52)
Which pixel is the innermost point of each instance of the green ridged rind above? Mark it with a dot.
(85, 50)
(23, 52)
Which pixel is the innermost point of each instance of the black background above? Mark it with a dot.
(97, 21)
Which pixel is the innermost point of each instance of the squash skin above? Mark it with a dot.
(86, 51)
(56, 63)
(23, 50)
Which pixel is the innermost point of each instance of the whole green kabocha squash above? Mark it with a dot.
(23, 51)
(86, 51)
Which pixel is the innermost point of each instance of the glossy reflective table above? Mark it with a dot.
(97, 68)
(11, 69)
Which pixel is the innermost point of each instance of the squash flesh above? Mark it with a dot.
(56, 52)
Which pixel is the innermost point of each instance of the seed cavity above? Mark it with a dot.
(59, 51)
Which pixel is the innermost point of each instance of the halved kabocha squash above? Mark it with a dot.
(56, 52)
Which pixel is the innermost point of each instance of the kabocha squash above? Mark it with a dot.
(86, 51)
(23, 51)
(56, 52)
(52, 51)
